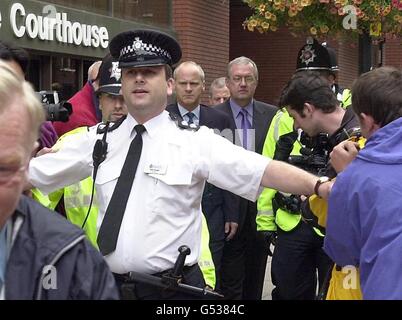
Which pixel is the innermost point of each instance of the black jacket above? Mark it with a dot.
(47, 239)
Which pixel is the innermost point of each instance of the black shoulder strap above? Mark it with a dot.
(102, 127)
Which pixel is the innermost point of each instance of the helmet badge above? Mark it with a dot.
(307, 55)
(115, 72)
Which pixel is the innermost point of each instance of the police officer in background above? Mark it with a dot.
(143, 220)
(342, 94)
(74, 200)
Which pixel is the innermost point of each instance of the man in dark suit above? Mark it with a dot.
(245, 256)
(218, 205)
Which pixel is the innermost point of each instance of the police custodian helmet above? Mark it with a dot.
(139, 48)
(313, 56)
(332, 57)
(109, 76)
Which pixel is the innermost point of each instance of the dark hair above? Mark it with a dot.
(308, 87)
(168, 71)
(378, 93)
(9, 52)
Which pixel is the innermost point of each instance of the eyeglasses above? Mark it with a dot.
(247, 79)
(8, 172)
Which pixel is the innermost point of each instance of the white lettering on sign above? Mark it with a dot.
(54, 25)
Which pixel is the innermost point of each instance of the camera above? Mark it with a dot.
(55, 110)
(314, 154)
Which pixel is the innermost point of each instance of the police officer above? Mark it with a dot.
(143, 220)
(76, 198)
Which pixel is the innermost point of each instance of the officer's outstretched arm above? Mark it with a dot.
(287, 178)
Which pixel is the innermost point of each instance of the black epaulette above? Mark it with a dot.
(183, 124)
(113, 126)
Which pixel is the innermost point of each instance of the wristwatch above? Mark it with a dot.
(319, 182)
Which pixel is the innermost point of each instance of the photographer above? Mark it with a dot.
(281, 141)
(364, 216)
(314, 108)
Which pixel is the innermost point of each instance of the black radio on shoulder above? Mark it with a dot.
(100, 149)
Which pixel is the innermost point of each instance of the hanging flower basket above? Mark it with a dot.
(327, 18)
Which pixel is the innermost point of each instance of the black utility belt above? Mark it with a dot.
(125, 277)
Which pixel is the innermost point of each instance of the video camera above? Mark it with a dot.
(314, 154)
(55, 110)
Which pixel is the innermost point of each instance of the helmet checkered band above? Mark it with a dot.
(138, 47)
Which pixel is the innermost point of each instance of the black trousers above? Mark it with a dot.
(244, 261)
(141, 291)
(297, 258)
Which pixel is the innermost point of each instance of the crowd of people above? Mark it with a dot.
(201, 195)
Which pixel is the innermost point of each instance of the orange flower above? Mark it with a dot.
(313, 31)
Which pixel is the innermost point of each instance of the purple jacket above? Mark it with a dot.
(364, 226)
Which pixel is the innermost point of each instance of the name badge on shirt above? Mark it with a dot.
(155, 169)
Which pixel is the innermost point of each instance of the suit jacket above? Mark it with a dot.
(219, 206)
(262, 117)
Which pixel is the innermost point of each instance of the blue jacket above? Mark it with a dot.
(47, 239)
(364, 226)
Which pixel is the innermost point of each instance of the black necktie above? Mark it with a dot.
(109, 230)
(190, 116)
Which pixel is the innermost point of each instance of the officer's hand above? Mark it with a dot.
(269, 237)
(230, 230)
(343, 154)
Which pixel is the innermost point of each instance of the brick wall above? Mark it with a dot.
(393, 53)
(202, 28)
(348, 61)
(275, 54)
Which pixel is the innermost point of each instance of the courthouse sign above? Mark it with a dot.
(43, 26)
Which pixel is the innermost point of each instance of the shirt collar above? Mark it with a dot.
(152, 126)
(236, 108)
(183, 111)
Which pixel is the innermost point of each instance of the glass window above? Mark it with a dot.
(65, 71)
(95, 6)
(150, 11)
(153, 12)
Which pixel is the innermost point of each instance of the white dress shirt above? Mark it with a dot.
(164, 207)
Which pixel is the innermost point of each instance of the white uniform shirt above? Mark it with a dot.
(164, 207)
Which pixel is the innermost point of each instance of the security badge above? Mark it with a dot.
(155, 169)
